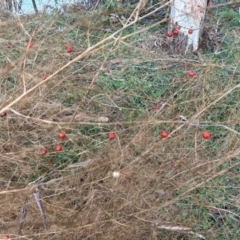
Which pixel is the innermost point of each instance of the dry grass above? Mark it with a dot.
(182, 187)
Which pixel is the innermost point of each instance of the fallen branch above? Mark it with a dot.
(39, 204)
(23, 215)
(178, 228)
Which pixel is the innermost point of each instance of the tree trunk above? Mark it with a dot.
(185, 25)
(9, 5)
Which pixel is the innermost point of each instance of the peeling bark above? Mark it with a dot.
(186, 18)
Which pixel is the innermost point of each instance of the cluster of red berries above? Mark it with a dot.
(164, 134)
(58, 148)
(111, 135)
(62, 135)
(205, 134)
(176, 30)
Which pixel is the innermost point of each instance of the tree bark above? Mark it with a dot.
(9, 5)
(35, 6)
(186, 24)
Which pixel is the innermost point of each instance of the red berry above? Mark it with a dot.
(3, 114)
(58, 148)
(44, 151)
(6, 236)
(30, 44)
(62, 135)
(175, 32)
(191, 74)
(44, 77)
(190, 31)
(154, 107)
(206, 135)
(169, 34)
(164, 134)
(69, 50)
(111, 136)
(233, 7)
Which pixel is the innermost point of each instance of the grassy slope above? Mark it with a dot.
(183, 181)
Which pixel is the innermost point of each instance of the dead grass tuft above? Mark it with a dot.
(181, 187)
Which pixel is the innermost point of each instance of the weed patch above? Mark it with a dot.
(115, 174)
